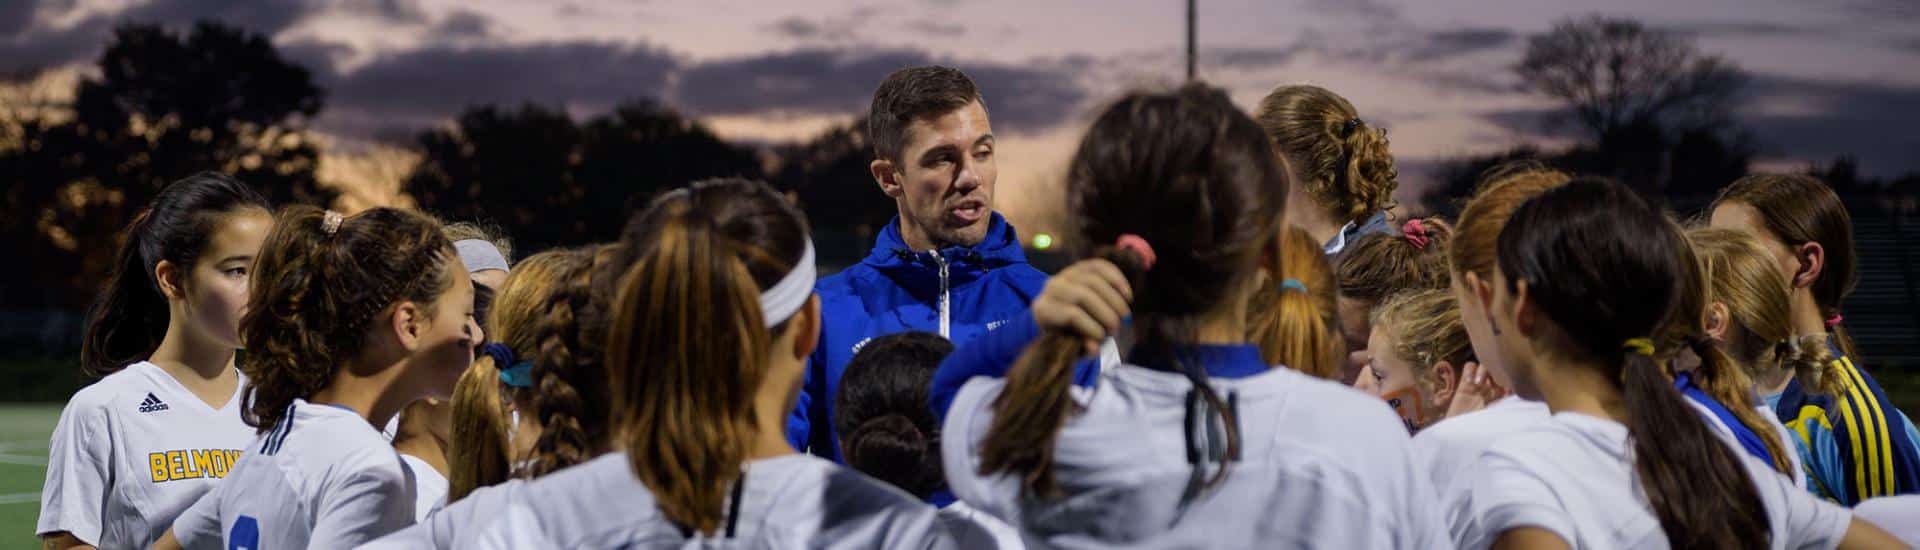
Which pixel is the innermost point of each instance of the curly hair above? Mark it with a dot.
(1342, 161)
(315, 294)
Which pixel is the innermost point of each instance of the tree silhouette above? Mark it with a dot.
(1617, 73)
(830, 176)
(549, 181)
(164, 106)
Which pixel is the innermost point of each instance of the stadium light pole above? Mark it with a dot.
(1192, 40)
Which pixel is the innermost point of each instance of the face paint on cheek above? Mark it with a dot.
(1408, 404)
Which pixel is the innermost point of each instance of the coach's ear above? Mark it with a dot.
(885, 174)
(805, 327)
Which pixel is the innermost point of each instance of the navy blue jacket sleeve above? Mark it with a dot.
(992, 354)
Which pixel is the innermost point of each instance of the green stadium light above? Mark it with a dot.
(1042, 241)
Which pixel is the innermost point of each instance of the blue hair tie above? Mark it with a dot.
(1294, 284)
(518, 374)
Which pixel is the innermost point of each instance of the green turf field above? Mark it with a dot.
(24, 429)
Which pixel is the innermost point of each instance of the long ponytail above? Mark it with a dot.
(477, 450)
(688, 346)
(1294, 317)
(1723, 378)
(1581, 248)
(130, 316)
(1184, 171)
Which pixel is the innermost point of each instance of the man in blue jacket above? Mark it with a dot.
(946, 264)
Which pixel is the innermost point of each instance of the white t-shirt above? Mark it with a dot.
(1573, 476)
(429, 487)
(321, 478)
(1899, 515)
(793, 501)
(1448, 448)
(1321, 465)
(131, 452)
(971, 529)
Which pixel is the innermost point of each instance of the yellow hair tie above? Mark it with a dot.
(1642, 346)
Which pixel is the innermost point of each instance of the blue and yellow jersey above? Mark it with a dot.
(1854, 446)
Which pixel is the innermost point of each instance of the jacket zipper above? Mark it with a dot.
(942, 261)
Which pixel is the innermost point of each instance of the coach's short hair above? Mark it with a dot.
(913, 93)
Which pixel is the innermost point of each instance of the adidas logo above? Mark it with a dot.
(996, 324)
(152, 404)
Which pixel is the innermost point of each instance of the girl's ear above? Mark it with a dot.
(1719, 319)
(806, 325)
(408, 322)
(1444, 379)
(170, 278)
(1813, 261)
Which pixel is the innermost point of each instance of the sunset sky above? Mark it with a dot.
(1828, 77)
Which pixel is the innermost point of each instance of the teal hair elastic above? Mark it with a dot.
(1293, 284)
(518, 374)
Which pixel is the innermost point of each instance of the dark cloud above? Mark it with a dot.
(828, 81)
(1902, 10)
(464, 24)
(398, 11)
(1356, 8)
(1871, 120)
(1737, 28)
(319, 56)
(1535, 123)
(796, 27)
(16, 16)
(1250, 58)
(434, 83)
(42, 47)
(936, 28)
(1451, 43)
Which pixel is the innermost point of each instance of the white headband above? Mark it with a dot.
(785, 298)
(479, 255)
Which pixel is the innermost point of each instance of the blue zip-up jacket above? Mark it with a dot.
(958, 292)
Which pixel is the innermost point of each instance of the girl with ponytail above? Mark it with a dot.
(1343, 174)
(1480, 409)
(161, 339)
(709, 334)
(1862, 446)
(350, 318)
(1292, 317)
(1195, 440)
(1588, 277)
(1378, 266)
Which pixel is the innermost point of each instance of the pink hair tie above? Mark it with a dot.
(1833, 321)
(1133, 243)
(1416, 234)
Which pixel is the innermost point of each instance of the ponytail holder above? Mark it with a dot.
(1348, 128)
(518, 374)
(1293, 284)
(1833, 321)
(1139, 247)
(1416, 234)
(1642, 346)
(330, 223)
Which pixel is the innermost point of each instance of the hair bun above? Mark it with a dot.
(891, 449)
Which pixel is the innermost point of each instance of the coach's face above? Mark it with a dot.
(943, 181)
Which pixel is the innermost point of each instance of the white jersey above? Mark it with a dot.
(1321, 465)
(429, 487)
(1448, 448)
(321, 478)
(1573, 476)
(793, 501)
(974, 529)
(1898, 515)
(131, 452)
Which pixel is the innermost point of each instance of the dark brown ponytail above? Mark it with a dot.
(1190, 174)
(1608, 268)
